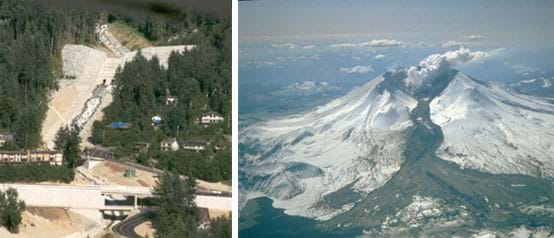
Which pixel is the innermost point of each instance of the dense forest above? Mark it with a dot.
(31, 39)
(200, 79)
(187, 27)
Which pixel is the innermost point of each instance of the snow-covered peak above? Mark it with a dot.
(490, 128)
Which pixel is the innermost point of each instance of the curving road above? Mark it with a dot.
(127, 226)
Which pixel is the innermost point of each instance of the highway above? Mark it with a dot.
(127, 226)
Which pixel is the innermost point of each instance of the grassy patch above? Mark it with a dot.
(128, 36)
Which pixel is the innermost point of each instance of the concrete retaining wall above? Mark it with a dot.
(58, 196)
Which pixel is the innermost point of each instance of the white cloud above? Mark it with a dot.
(358, 69)
(380, 56)
(436, 64)
(262, 63)
(383, 43)
(546, 83)
(465, 55)
(475, 37)
(285, 45)
(344, 45)
(373, 43)
(453, 44)
(296, 58)
(306, 88)
(307, 47)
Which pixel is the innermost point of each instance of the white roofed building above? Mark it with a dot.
(169, 144)
(211, 118)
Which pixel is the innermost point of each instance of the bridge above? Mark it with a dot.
(108, 199)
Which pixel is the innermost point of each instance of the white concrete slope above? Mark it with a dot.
(86, 69)
(82, 63)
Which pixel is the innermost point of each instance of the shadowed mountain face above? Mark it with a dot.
(416, 152)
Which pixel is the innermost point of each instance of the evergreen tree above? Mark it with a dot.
(62, 137)
(177, 212)
(71, 149)
(10, 210)
(220, 227)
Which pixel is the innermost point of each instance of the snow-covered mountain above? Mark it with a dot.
(355, 141)
(322, 162)
(493, 129)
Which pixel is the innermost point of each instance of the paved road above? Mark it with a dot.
(127, 226)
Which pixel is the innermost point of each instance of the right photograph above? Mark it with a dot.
(396, 118)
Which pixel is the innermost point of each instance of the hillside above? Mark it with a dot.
(129, 37)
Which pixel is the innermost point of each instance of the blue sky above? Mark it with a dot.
(502, 22)
(288, 49)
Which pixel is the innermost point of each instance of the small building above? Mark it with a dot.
(98, 153)
(95, 155)
(195, 146)
(211, 118)
(169, 144)
(32, 156)
(120, 125)
(6, 138)
(141, 147)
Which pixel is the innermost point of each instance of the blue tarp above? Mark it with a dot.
(120, 125)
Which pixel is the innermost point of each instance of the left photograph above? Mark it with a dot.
(115, 118)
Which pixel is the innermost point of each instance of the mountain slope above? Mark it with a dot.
(353, 141)
(495, 130)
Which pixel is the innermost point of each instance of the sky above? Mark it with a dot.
(507, 22)
(297, 54)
